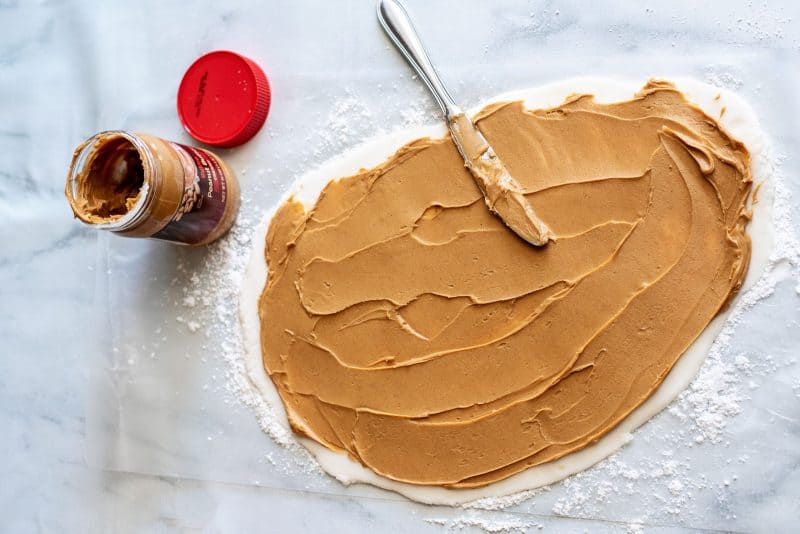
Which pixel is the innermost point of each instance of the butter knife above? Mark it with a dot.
(502, 193)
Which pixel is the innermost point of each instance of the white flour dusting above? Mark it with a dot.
(348, 121)
(705, 409)
(493, 525)
(495, 503)
(210, 300)
(722, 78)
(351, 120)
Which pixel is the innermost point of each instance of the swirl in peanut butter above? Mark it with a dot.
(403, 324)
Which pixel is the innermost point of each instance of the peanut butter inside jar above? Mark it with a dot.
(139, 185)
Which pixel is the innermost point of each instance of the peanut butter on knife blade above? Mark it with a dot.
(502, 193)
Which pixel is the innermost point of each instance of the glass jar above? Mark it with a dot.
(138, 185)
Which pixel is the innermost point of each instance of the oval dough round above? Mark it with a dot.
(736, 117)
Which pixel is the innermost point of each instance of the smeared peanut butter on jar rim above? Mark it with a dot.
(138, 185)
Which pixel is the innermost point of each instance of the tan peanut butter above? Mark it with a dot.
(503, 195)
(404, 324)
(100, 201)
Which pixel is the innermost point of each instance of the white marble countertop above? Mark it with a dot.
(116, 417)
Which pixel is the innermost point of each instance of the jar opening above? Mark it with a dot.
(108, 180)
(113, 180)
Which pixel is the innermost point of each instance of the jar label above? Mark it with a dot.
(205, 195)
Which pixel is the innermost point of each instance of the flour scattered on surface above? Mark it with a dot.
(493, 524)
(500, 503)
(720, 77)
(191, 325)
(210, 301)
(345, 124)
(351, 119)
(419, 112)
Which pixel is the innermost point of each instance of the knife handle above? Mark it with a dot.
(398, 26)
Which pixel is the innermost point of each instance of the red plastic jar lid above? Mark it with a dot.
(223, 99)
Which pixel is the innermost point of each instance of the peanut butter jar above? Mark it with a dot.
(138, 185)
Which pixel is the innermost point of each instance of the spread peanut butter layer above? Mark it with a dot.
(405, 325)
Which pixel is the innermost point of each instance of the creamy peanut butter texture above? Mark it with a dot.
(100, 201)
(501, 192)
(404, 324)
